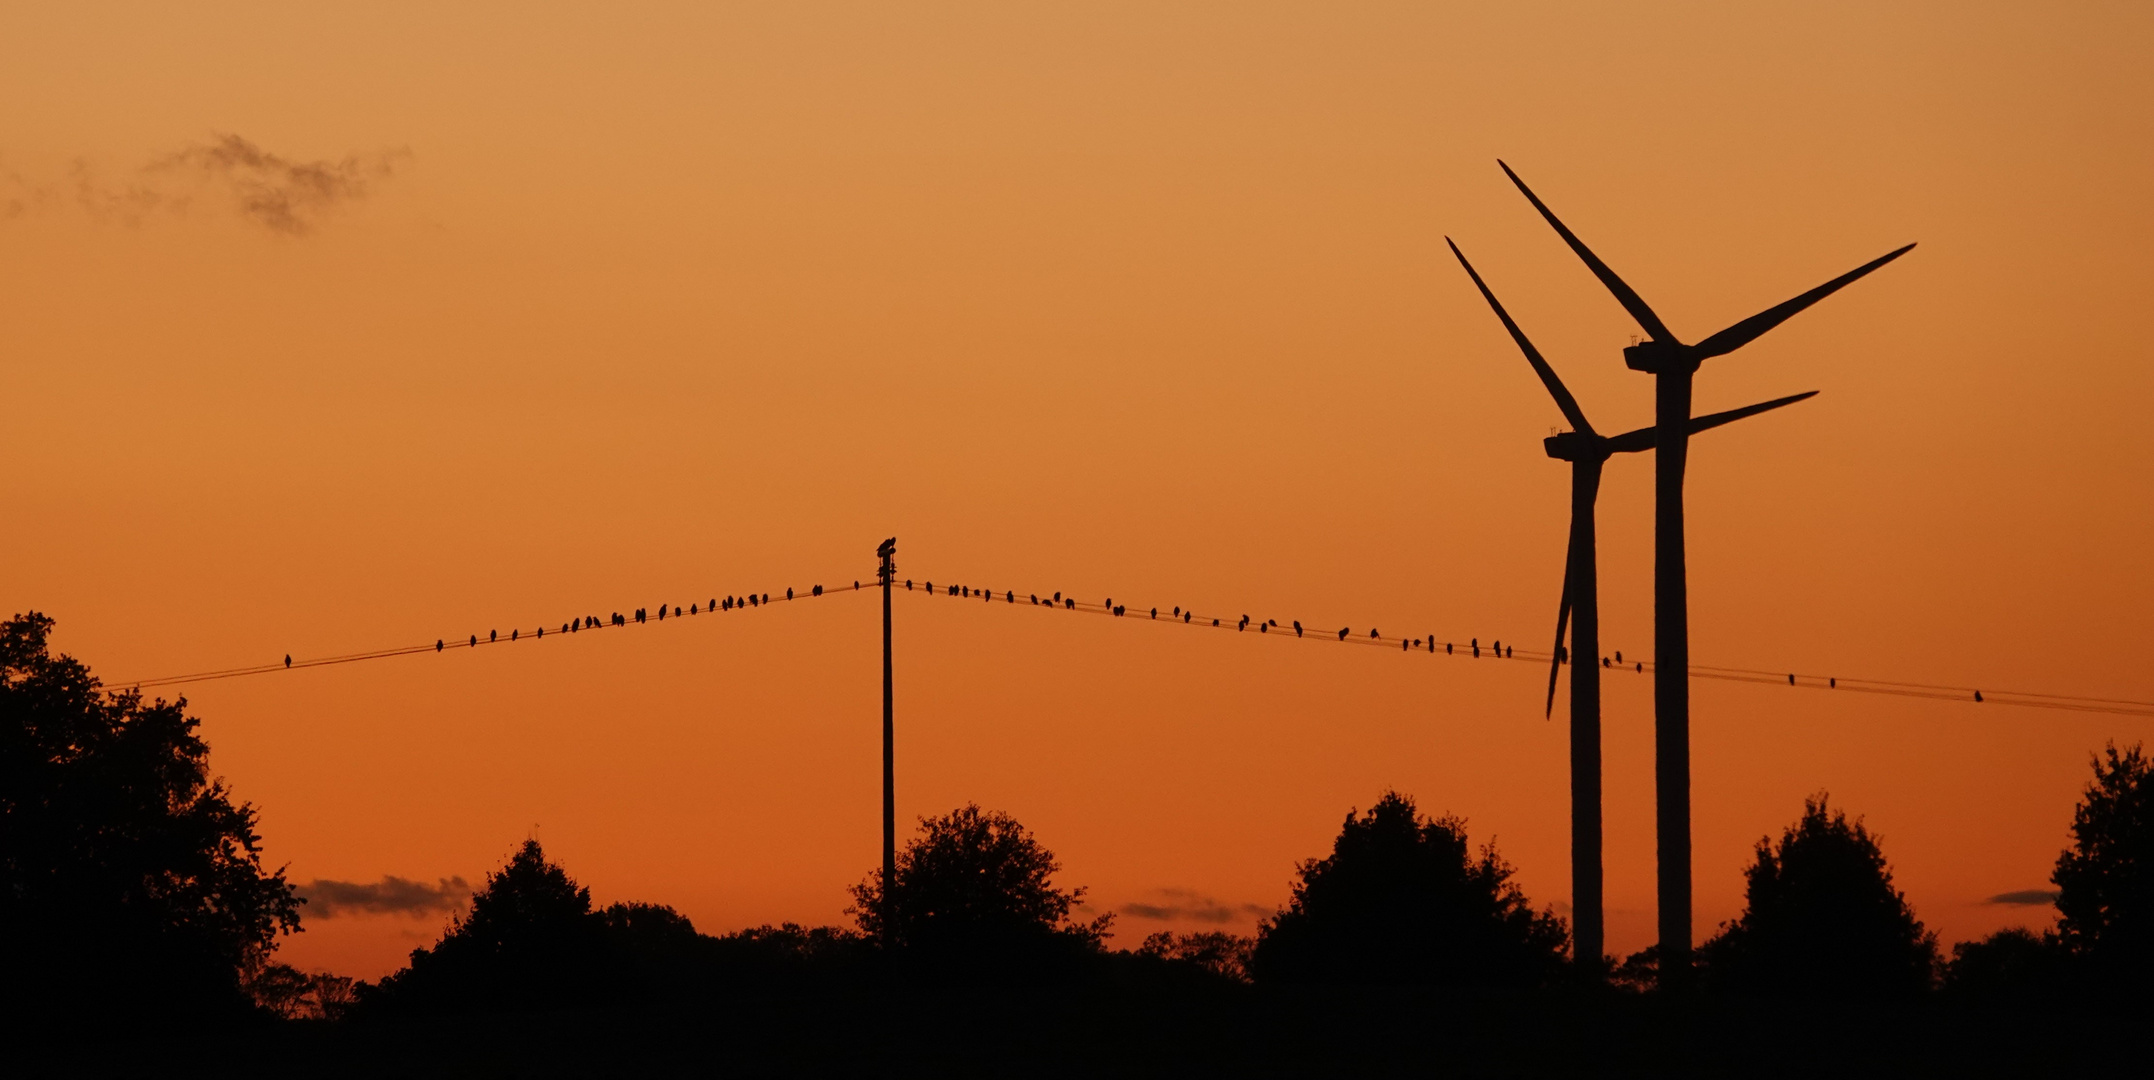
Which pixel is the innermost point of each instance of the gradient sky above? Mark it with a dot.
(597, 307)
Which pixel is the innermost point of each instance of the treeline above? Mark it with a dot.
(131, 882)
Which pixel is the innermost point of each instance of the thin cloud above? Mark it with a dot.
(282, 195)
(288, 197)
(391, 895)
(1188, 905)
(2024, 898)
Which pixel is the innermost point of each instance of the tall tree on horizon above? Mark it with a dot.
(129, 876)
(1406, 899)
(1822, 918)
(2105, 880)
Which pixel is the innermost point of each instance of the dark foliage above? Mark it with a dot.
(1214, 952)
(533, 940)
(2105, 880)
(129, 878)
(530, 938)
(975, 888)
(1821, 918)
(1404, 899)
(288, 993)
(2008, 963)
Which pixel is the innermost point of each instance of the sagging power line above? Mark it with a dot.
(1463, 647)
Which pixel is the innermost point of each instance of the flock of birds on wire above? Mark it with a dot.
(1176, 615)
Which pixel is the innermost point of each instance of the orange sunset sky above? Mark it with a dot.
(595, 307)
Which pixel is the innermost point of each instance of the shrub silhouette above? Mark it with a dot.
(288, 993)
(2013, 962)
(1404, 899)
(2105, 880)
(1821, 918)
(1216, 952)
(975, 885)
(129, 878)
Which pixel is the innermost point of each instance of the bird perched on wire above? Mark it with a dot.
(287, 659)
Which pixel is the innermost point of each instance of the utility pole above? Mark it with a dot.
(888, 573)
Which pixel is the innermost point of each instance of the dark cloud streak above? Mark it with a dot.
(1180, 905)
(2024, 898)
(391, 895)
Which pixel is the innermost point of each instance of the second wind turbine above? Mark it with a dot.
(1587, 450)
(1673, 363)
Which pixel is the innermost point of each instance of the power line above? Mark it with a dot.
(1473, 649)
(1470, 648)
(579, 625)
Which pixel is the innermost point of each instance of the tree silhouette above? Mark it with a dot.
(1404, 899)
(127, 873)
(2105, 880)
(530, 938)
(1214, 951)
(974, 884)
(2014, 961)
(1821, 917)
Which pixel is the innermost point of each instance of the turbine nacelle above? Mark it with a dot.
(1577, 446)
(1657, 356)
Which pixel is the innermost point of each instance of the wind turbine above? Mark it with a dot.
(1672, 365)
(1587, 450)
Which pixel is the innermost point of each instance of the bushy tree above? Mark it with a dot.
(530, 938)
(1822, 918)
(1405, 899)
(974, 884)
(2105, 880)
(127, 872)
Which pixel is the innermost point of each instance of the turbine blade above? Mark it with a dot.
(1624, 294)
(1556, 389)
(1713, 420)
(1631, 442)
(1563, 618)
(1645, 438)
(1747, 331)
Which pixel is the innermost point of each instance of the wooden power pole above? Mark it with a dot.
(888, 573)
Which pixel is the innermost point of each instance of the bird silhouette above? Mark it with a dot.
(1297, 627)
(287, 659)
